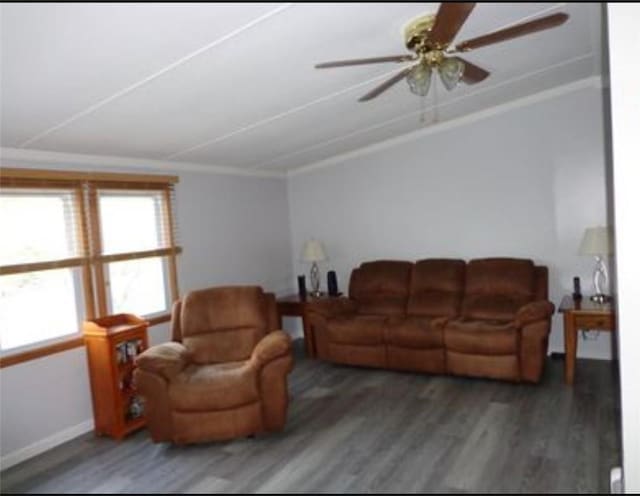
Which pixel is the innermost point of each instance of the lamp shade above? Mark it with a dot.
(419, 79)
(451, 71)
(596, 241)
(313, 251)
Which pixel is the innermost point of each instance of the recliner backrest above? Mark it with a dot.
(436, 287)
(496, 288)
(381, 287)
(223, 324)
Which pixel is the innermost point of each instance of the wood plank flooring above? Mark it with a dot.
(364, 430)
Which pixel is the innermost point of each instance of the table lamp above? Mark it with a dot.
(597, 242)
(313, 252)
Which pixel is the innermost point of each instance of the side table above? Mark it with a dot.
(581, 314)
(294, 306)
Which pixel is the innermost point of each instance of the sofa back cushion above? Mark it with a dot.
(381, 287)
(542, 283)
(436, 288)
(496, 287)
(223, 324)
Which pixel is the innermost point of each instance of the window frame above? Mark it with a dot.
(91, 262)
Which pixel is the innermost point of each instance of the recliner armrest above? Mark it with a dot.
(274, 345)
(332, 307)
(167, 359)
(534, 311)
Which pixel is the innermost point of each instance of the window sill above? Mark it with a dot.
(61, 346)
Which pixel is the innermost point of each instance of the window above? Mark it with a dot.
(77, 246)
(132, 225)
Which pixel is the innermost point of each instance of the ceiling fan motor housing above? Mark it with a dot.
(416, 30)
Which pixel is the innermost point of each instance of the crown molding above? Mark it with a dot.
(594, 82)
(44, 157)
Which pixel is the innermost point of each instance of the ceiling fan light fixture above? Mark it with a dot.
(451, 71)
(419, 79)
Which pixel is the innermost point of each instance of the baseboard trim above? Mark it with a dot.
(45, 444)
(556, 355)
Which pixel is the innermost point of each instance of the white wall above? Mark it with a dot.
(233, 230)
(522, 181)
(624, 44)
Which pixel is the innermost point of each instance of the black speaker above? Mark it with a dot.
(332, 283)
(302, 287)
(576, 289)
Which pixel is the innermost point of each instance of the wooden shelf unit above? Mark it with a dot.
(112, 343)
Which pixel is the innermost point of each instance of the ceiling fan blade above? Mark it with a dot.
(525, 28)
(472, 73)
(386, 85)
(449, 20)
(375, 60)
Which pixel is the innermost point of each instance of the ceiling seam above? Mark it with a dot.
(416, 112)
(157, 74)
(279, 116)
(291, 111)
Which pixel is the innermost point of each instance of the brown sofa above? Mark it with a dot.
(225, 374)
(486, 318)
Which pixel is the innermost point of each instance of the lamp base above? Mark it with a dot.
(600, 298)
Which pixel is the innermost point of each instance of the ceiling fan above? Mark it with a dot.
(429, 36)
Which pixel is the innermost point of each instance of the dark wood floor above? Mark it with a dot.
(362, 430)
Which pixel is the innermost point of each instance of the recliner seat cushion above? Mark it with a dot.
(413, 332)
(224, 323)
(481, 337)
(436, 288)
(357, 330)
(214, 387)
(381, 287)
(497, 287)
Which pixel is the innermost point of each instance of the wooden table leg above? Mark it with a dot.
(570, 348)
(309, 343)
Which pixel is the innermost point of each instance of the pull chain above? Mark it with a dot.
(436, 115)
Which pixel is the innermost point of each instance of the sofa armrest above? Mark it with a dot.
(167, 359)
(274, 345)
(533, 312)
(331, 307)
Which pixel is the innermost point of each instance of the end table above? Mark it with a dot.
(581, 314)
(294, 306)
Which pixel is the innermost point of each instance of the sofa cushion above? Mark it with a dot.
(413, 332)
(357, 329)
(436, 287)
(497, 287)
(213, 387)
(481, 338)
(381, 287)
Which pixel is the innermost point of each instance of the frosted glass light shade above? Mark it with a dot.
(419, 79)
(596, 241)
(313, 251)
(451, 71)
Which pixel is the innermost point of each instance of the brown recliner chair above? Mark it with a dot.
(504, 328)
(225, 374)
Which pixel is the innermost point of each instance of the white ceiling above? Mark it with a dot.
(234, 84)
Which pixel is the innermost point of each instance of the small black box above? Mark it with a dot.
(576, 289)
(332, 283)
(302, 287)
